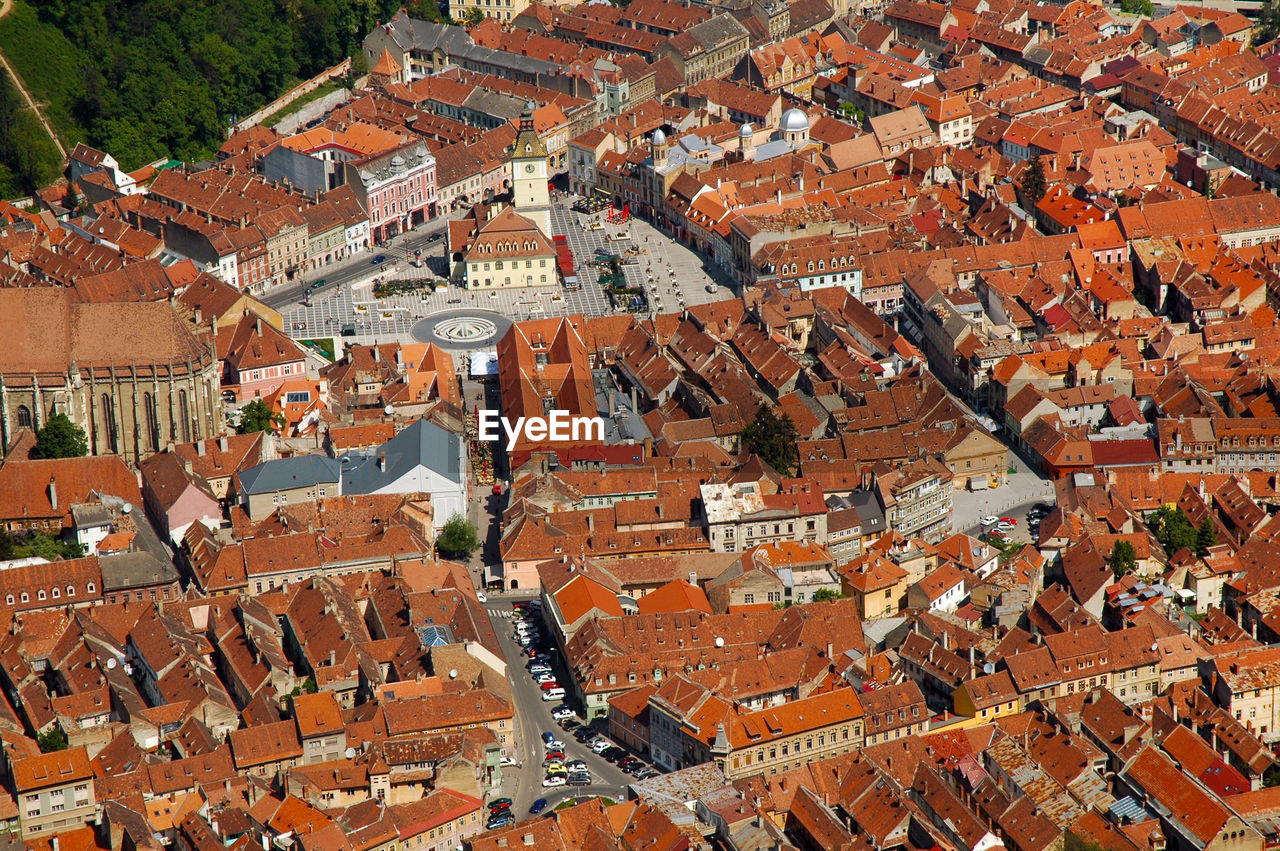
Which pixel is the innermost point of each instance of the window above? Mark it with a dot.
(748, 598)
(24, 416)
(184, 416)
(109, 421)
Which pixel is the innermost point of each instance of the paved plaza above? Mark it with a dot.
(671, 275)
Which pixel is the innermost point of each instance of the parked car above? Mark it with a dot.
(568, 724)
(990, 520)
(555, 768)
(553, 756)
(562, 712)
(627, 762)
(549, 684)
(537, 806)
(613, 754)
(554, 780)
(553, 745)
(500, 806)
(576, 765)
(544, 677)
(636, 769)
(580, 779)
(500, 820)
(601, 745)
(548, 737)
(584, 734)
(1009, 520)
(509, 760)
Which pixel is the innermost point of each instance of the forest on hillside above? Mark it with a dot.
(144, 79)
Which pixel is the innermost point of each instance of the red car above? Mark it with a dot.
(1009, 520)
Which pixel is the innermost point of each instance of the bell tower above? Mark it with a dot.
(529, 193)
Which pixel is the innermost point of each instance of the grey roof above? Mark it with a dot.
(134, 570)
(718, 30)
(89, 514)
(423, 444)
(288, 473)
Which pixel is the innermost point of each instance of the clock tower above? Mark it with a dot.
(529, 192)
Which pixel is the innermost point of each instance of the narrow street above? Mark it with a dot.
(523, 784)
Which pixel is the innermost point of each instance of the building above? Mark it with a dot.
(506, 251)
(530, 194)
(302, 478)
(1247, 685)
(131, 393)
(423, 458)
(739, 516)
(54, 791)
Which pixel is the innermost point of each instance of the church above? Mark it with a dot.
(513, 247)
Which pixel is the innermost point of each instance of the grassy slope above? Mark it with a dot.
(49, 65)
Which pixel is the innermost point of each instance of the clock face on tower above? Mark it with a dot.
(529, 168)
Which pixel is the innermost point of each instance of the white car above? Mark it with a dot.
(562, 712)
(555, 780)
(481, 597)
(553, 745)
(539, 670)
(546, 677)
(507, 760)
(1005, 527)
(601, 745)
(989, 520)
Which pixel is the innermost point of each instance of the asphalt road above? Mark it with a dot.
(359, 267)
(523, 784)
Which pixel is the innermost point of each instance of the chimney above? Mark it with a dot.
(200, 447)
(591, 523)
(333, 658)
(222, 445)
(382, 461)
(257, 325)
(693, 577)
(377, 354)
(53, 493)
(199, 317)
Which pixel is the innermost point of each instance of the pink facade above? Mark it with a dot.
(263, 381)
(400, 190)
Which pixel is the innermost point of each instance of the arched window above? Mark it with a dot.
(153, 424)
(89, 587)
(40, 594)
(184, 416)
(71, 590)
(25, 598)
(109, 422)
(24, 416)
(56, 593)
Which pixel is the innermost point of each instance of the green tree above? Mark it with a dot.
(60, 438)
(1206, 536)
(52, 740)
(773, 439)
(1033, 182)
(1124, 558)
(474, 16)
(256, 416)
(1173, 530)
(825, 595)
(1145, 8)
(458, 538)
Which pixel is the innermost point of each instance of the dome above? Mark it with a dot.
(745, 130)
(794, 121)
(659, 138)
